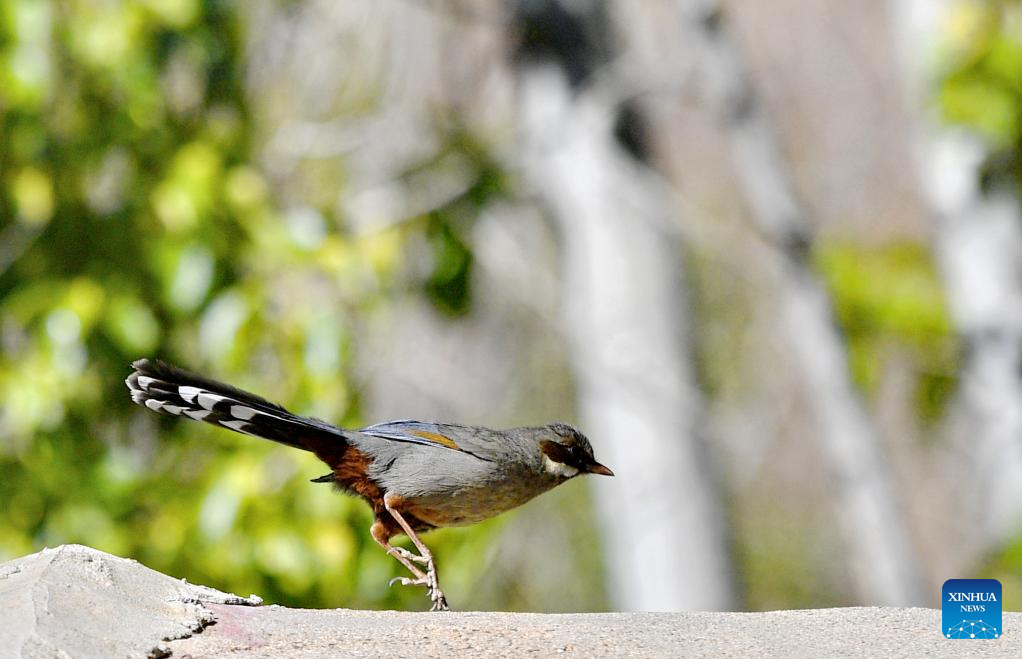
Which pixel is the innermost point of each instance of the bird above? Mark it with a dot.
(416, 476)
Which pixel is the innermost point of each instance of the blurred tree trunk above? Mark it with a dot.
(883, 562)
(979, 245)
(664, 527)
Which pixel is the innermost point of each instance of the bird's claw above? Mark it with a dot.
(407, 581)
(439, 601)
(435, 594)
(429, 580)
(404, 553)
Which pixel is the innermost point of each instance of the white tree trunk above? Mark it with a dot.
(979, 246)
(880, 550)
(626, 318)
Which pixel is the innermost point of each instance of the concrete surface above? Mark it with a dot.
(855, 632)
(74, 601)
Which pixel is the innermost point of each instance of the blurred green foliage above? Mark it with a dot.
(1006, 566)
(782, 561)
(982, 90)
(890, 297)
(982, 86)
(134, 222)
(448, 285)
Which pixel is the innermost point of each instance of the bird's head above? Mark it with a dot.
(567, 453)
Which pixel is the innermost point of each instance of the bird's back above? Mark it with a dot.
(447, 487)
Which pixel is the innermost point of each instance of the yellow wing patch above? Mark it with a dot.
(436, 437)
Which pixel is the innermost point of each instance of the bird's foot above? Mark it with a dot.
(404, 553)
(439, 600)
(433, 588)
(432, 584)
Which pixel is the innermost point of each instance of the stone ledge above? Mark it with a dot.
(75, 601)
(80, 602)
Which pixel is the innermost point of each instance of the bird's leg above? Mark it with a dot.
(404, 553)
(381, 535)
(431, 582)
(382, 538)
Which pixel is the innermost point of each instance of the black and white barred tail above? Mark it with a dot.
(169, 390)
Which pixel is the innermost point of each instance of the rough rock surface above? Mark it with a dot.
(78, 602)
(75, 601)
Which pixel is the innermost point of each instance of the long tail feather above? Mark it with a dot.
(169, 390)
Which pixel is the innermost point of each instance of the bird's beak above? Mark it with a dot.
(597, 468)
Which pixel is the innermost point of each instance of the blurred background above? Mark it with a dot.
(767, 256)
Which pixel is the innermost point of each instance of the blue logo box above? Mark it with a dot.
(972, 609)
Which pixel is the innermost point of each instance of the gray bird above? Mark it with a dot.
(416, 476)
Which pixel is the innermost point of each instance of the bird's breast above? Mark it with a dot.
(466, 505)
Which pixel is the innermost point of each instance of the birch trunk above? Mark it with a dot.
(880, 551)
(625, 309)
(978, 239)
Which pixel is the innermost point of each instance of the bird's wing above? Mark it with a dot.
(454, 438)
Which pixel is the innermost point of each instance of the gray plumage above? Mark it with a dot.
(415, 475)
(476, 474)
(492, 473)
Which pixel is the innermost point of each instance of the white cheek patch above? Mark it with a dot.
(558, 468)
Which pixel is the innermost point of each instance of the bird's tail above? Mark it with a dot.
(170, 390)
